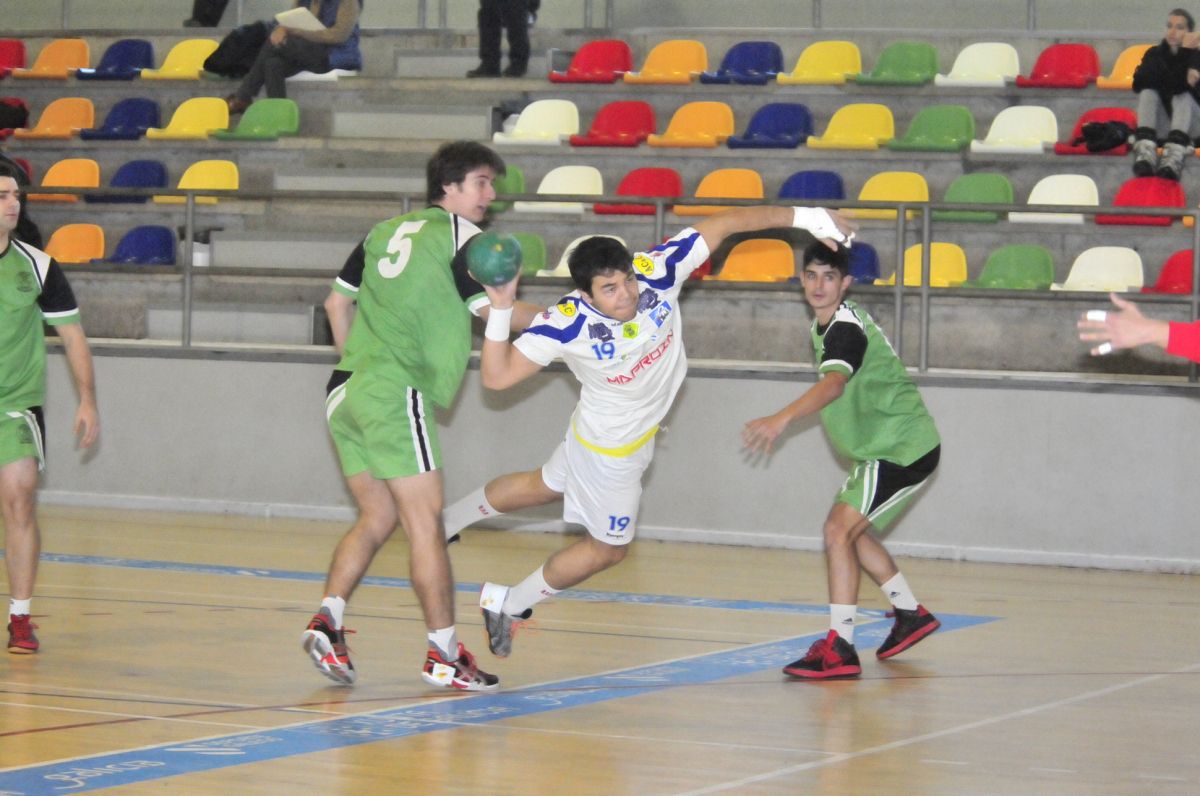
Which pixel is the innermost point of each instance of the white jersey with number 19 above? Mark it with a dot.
(629, 371)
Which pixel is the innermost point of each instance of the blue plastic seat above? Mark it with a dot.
(864, 263)
(776, 125)
(815, 184)
(123, 60)
(146, 245)
(752, 63)
(134, 174)
(127, 121)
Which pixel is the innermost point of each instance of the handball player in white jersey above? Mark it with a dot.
(620, 333)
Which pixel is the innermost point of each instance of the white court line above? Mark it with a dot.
(900, 744)
(139, 716)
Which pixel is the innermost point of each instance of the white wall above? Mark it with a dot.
(1040, 476)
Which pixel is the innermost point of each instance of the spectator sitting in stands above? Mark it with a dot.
(289, 51)
(1165, 82)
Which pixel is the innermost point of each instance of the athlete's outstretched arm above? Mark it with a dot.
(501, 365)
(760, 434)
(829, 226)
(523, 315)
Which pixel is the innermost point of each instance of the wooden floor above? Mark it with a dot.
(171, 663)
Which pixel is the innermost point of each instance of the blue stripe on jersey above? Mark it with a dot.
(561, 335)
(681, 247)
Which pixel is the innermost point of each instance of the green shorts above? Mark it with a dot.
(380, 428)
(879, 490)
(23, 436)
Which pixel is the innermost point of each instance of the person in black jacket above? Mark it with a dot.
(1165, 82)
(515, 16)
(206, 13)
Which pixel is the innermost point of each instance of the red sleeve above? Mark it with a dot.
(1184, 340)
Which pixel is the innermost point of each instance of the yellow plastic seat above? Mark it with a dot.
(207, 175)
(1020, 129)
(860, 125)
(185, 61)
(991, 64)
(947, 266)
(563, 268)
(677, 61)
(58, 60)
(573, 180)
(724, 184)
(1105, 269)
(68, 173)
(76, 243)
(891, 186)
(63, 118)
(759, 260)
(547, 122)
(697, 124)
(1059, 189)
(195, 119)
(1121, 77)
(824, 63)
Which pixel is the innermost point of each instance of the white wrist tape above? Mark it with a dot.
(817, 221)
(498, 323)
(1097, 315)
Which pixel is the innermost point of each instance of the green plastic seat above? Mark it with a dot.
(903, 63)
(1020, 266)
(265, 120)
(512, 181)
(533, 251)
(982, 187)
(938, 128)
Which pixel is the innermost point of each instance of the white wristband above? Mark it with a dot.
(498, 323)
(817, 221)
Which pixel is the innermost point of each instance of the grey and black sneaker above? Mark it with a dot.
(1170, 163)
(500, 626)
(1145, 157)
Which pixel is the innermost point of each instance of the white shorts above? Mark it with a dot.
(602, 493)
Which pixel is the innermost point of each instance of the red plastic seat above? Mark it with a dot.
(645, 181)
(12, 56)
(1124, 115)
(620, 123)
(1175, 276)
(1063, 66)
(1146, 192)
(602, 61)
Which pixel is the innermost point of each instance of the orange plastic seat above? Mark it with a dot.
(205, 175)
(76, 243)
(723, 184)
(759, 260)
(63, 118)
(860, 125)
(58, 60)
(68, 173)
(697, 124)
(195, 119)
(1121, 77)
(677, 61)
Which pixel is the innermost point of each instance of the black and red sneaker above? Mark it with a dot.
(461, 673)
(326, 646)
(21, 640)
(828, 658)
(910, 627)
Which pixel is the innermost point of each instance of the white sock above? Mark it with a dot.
(445, 641)
(467, 511)
(899, 594)
(841, 619)
(337, 609)
(19, 607)
(528, 593)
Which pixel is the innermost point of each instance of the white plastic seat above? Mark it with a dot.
(1105, 269)
(575, 180)
(983, 64)
(1020, 129)
(547, 122)
(562, 269)
(1059, 189)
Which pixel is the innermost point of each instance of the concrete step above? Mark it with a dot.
(332, 179)
(317, 251)
(414, 123)
(236, 323)
(453, 63)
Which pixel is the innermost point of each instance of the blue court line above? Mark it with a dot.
(107, 770)
(403, 583)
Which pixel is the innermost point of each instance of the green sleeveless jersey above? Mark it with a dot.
(33, 290)
(413, 325)
(880, 415)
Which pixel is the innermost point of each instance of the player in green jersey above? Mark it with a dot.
(407, 342)
(874, 416)
(33, 291)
